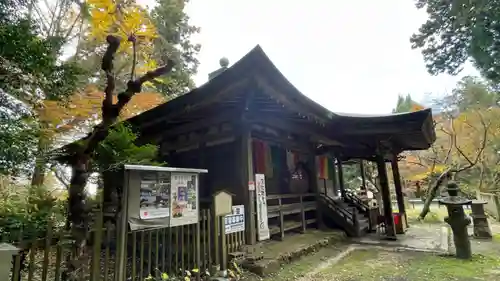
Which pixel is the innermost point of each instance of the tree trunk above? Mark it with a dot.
(80, 160)
(38, 176)
(431, 193)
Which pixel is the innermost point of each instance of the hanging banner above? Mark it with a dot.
(262, 221)
(184, 200)
(235, 222)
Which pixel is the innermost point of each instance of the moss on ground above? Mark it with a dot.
(372, 264)
(301, 267)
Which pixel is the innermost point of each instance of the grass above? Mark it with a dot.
(435, 215)
(372, 264)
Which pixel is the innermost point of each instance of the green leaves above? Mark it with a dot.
(29, 74)
(174, 42)
(458, 30)
(119, 148)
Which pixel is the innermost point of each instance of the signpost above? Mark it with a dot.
(235, 222)
(262, 221)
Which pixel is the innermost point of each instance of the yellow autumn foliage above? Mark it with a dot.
(87, 106)
(437, 169)
(127, 21)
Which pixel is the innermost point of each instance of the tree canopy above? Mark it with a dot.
(29, 73)
(456, 31)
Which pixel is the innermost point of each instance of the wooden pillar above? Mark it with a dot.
(397, 184)
(341, 177)
(335, 180)
(247, 176)
(386, 198)
(313, 178)
(363, 179)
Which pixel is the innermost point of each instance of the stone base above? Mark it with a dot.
(482, 229)
(269, 256)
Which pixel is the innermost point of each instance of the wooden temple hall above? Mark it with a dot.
(247, 119)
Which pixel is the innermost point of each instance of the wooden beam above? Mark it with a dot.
(341, 177)
(317, 191)
(291, 104)
(194, 101)
(287, 143)
(397, 185)
(294, 127)
(247, 175)
(335, 180)
(386, 198)
(363, 178)
(194, 142)
(200, 124)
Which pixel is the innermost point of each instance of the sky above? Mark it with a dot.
(350, 56)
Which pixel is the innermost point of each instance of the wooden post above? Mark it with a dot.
(223, 246)
(386, 198)
(247, 176)
(397, 186)
(341, 177)
(282, 220)
(121, 231)
(363, 179)
(335, 180)
(216, 237)
(302, 214)
(198, 248)
(314, 181)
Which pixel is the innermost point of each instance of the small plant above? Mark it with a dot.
(234, 272)
(183, 275)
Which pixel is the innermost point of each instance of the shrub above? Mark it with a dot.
(27, 211)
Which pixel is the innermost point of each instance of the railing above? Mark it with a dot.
(351, 197)
(349, 218)
(284, 208)
(149, 252)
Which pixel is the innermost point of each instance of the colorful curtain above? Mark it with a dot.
(325, 167)
(259, 156)
(263, 159)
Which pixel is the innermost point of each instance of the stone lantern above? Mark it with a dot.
(480, 220)
(457, 220)
(7, 251)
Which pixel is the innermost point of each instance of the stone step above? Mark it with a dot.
(266, 258)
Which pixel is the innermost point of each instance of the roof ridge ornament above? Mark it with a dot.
(224, 64)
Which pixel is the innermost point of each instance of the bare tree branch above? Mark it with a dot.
(452, 172)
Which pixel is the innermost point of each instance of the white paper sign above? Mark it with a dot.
(235, 222)
(184, 199)
(262, 221)
(251, 185)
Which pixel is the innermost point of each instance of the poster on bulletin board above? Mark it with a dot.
(184, 201)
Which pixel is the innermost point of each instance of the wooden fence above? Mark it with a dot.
(149, 252)
(493, 205)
